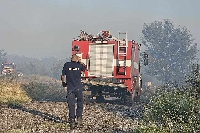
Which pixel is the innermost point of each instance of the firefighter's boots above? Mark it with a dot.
(79, 121)
(72, 124)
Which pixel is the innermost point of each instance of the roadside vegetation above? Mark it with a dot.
(20, 90)
(43, 88)
(11, 93)
(173, 109)
(167, 109)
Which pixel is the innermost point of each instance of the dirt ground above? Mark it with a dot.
(52, 117)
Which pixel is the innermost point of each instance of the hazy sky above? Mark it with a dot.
(43, 28)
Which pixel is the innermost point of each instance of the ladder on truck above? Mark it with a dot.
(122, 53)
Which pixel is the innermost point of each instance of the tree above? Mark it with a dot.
(171, 50)
(193, 79)
(56, 69)
(2, 56)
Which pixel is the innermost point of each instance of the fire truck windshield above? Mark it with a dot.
(7, 66)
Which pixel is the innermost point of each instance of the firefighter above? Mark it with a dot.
(72, 71)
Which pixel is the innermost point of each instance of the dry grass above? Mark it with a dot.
(12, 93)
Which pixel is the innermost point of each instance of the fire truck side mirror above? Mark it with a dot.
(146, 59)
(145, 62)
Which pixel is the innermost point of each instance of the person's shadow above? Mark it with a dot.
(45, 116)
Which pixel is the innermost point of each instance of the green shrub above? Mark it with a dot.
(174, 109)
(146, 94)
(193, 80)
(149, 129)
(171, 110)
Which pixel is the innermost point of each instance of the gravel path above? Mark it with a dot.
(52, 117)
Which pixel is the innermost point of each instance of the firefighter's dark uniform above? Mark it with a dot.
(72, 70)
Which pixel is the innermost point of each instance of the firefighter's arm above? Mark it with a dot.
(84, 67)
(83, 64)
(63, 77)
(63, 81)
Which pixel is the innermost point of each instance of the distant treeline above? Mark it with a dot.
(50, 66)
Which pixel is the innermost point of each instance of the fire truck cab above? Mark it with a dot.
(7, 68)
(108, 57)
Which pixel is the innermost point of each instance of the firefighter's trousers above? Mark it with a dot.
(71, 100)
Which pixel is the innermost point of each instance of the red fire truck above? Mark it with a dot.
(7, 68)
(108, 57)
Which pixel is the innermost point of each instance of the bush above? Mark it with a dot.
(11, 93)
(174, 109)
(193, 80)
(149, 129)
(147, 93)
(40, 91)
(171, 110)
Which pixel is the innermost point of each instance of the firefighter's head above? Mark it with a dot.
(75, 58)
